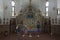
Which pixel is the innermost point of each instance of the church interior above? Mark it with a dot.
(29, 19)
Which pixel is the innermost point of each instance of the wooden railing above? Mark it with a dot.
(4, 28)
(55, 21)
(55, 26)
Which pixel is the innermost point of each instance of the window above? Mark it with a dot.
(47, 4)
(46, 9)
(13, 7)
(58, 11)
(46, 13)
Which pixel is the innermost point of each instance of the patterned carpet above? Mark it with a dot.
(42, 36)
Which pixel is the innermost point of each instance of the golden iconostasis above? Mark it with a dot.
(30, 16)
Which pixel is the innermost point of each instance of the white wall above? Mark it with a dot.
(52, 12)
(20, 4)
(7, 12)
(58, 6)
(58, 3)
(1, 9)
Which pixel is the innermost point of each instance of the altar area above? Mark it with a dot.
(30, 16)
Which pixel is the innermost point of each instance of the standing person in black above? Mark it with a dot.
(49, 24)
(38, 26)
(10, 27)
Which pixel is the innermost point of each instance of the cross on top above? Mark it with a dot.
(30, 1)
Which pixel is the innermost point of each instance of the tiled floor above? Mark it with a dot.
(27, 37)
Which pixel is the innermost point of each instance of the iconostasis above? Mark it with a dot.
(29, 16)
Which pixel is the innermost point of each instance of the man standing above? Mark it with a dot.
(38, 26)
